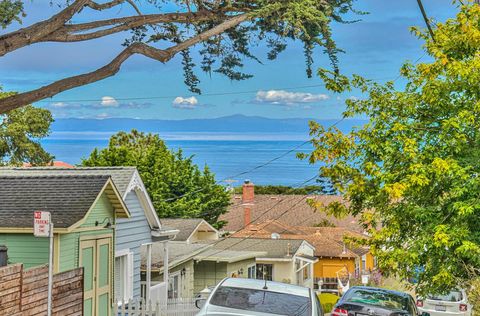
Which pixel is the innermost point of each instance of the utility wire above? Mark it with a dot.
(425, 18)
(205, 94)
(259, 216)
(254, 168)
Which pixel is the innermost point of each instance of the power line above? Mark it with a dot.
(425, 18)
(205, 94)
(254, 168)
(259, 216)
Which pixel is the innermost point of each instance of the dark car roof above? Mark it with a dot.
(369, 288)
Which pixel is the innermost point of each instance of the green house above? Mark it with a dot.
(84, 210)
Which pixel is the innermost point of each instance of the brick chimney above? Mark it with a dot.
(248, 196)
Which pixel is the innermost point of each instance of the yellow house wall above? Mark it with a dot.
(370, 261)
(327, 268)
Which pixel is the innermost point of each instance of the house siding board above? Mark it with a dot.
(99, 212)
(235, 267)
(68, 251)
(25, 248)
(131, 233)
(208, 273)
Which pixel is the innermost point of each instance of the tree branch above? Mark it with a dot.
(21, 99)
(66, 34)
(25, 36)
(111, 4)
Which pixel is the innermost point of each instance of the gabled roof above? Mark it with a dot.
(125, 179)
(67, 198)
(288, 209)
(186, 226)
(328, 241)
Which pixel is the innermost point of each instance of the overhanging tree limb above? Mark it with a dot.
(162, 55)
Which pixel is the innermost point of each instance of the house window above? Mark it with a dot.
(265, 271)
(124, 276)
(364, 262)
(252, 273)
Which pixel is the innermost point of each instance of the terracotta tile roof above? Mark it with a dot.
(328, 241)
(289, 209)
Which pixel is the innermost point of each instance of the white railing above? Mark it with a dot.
(174, 307)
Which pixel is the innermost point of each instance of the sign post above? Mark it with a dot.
(43, 227)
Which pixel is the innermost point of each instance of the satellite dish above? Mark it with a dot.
(275, 236)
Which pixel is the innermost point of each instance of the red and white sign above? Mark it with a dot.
(41, 224)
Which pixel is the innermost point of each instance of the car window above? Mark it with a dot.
(453, 296)
(261, 301)
(377, 298)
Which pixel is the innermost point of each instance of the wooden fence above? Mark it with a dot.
(174, 307)
(24, 292)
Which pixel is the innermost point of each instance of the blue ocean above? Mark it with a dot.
(231, 157)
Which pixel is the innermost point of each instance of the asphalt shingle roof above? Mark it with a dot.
(68, 198)
(186, 226)
(177, 253)
(274, 248)
(121, 176)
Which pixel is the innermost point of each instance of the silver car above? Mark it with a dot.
(239, 297)
(454, 303)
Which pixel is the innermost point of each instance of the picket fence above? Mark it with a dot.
(174, 307)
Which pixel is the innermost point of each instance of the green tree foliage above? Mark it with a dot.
(412, 172)
(288, 190)
(20, 132)
(177, 186)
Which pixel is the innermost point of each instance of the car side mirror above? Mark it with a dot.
(425, 314)
(199, 302)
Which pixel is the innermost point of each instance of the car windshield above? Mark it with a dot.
(261, 301)
(453, 296)
(377, 298)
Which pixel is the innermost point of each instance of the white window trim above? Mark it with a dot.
(128, 290)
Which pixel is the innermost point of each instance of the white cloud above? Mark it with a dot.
(58, 105)
(109, 101)
(185, 103)
(282, 97)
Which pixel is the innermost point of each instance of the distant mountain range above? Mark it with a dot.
(227, 124)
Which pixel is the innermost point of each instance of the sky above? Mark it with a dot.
(375, 47)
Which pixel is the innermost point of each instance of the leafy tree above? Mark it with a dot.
(177, 186)
(412, 172)
(226, 30)
(288, 190)
(20, 132)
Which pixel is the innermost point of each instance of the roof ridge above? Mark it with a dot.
(13, 176)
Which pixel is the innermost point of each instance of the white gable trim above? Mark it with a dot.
(304, 242)
(136, 184)
(196, 229)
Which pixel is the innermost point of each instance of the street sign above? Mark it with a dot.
(41, 224)
(43, 227)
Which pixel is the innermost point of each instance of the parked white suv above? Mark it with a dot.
(454, 303)
(239, 297)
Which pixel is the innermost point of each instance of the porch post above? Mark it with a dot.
(149, 273)
(165, 268)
